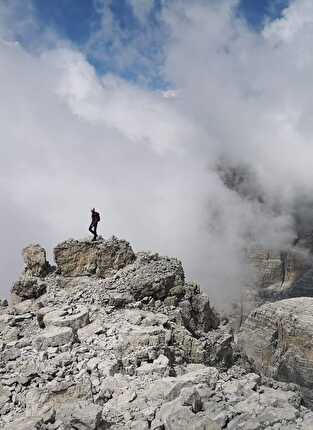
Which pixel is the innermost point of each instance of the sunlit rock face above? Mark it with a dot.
(101, 258)
(35, 259)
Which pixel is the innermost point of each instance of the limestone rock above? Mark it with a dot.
(159, 366)
(277, 340)
(75, 318)
(53, 336)
(81, 416)
(29, 288)
(35, 260)
(3, 303)
(89, 331)
(151, 276)
(101, 258)
(197, 313)
(176, 417)
(5, 395)
(117, 341)
(31, 423)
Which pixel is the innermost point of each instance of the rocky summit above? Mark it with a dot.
(113, 339)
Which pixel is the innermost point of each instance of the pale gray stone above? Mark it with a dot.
(176, 417)
(101, 258)
(35, 260)
(53, 336)
(31, 423)
(76, 319)
(277, 339)
(5, 395)
(150, 358)
(28, 288)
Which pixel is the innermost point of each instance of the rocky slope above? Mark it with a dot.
(110, 339)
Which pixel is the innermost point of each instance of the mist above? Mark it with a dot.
(153, 165)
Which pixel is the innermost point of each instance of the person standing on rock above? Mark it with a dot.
(95, 218)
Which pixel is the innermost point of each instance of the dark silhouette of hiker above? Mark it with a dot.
(95, 218)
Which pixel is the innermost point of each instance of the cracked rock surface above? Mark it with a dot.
(118, 340)
(277, 340)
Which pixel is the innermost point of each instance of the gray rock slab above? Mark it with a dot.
(53, 336)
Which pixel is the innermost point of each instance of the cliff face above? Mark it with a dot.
(277, 339)
(282, 274)
(110, 339)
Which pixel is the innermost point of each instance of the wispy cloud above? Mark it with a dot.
(135, 50)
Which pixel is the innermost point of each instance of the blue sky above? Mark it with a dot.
(75, 19)
(256, 11)
(79, 20)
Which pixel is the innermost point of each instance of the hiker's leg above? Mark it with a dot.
(90, 228)
(95, 230)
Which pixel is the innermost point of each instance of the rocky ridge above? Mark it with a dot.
(110, 339)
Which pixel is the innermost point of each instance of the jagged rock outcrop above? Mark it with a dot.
(277, 340)
(28, 288)
(101, 258)
(31, 284)
(36, 260)
(121, 341)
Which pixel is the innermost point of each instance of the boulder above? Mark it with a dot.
(3, 303)
(53, 336)
(170, 388)
(151, 276)
(81, 415)
(28, 288)
(276, 339)
(89, 330)
(196, 312)
(30, 423)
(139, 425)
(266, 409)
(64, 397)
(35, 260)
(26, 306)
(160, 366)
(174, 416)
(101, 258)
(192, 349)
(75, 318)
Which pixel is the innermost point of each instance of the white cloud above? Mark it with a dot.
(74, 140)
(142, 9)
(296, 20)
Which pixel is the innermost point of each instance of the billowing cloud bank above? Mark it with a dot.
(72, 140)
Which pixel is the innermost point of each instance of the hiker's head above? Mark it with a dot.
(93, 210)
